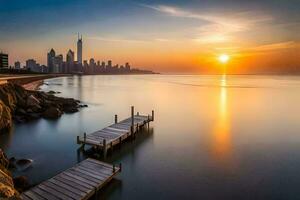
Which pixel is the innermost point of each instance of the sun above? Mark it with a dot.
(224, 58)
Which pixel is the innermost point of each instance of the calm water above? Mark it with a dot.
(214, 137)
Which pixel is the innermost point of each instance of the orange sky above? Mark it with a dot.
(167, 38)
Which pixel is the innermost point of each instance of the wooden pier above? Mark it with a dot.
(116, 133)
(77, 183)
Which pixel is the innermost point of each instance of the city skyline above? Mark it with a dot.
(164, 36)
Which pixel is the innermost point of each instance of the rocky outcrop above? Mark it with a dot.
(7, 189)
(22, 105)
(5, 116)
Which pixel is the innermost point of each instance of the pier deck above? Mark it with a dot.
(77, 183)
(116, 133)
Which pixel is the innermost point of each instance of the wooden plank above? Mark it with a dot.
(24, 197)
(81, 185)
(95, 171)
(98, 138)
(99, 163)
(68, 187)
(33, 195)
(119, 131)
(87, 175)
(112, 132)
(79, 178)
(58, 187)
(78, 185)
(108, 136)
(92, 142)
(101, 169)
(44, 194)
(84, 176)
(54, 192)
(116, 129)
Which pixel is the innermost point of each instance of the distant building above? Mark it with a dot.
(51, 60)
(58, 64)
(109, 65)
(79, 50)
(70, 62)
(127, 67)
(17, 65)
(32, 65)
(92, 66)
(3, 60)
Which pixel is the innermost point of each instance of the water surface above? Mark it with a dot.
(214, 137)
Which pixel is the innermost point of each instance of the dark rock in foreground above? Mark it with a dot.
(24, 105)
(7, 188)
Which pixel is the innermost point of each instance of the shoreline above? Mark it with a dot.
(33, 86)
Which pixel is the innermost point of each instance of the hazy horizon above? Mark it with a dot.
(163, 36)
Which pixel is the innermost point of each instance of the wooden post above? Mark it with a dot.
(116, 119)
(152, 115)
(84, 137)
(78, 139)
(132, 120)
(104, 148)
(148, 121)
(114, 168)
(138, 113)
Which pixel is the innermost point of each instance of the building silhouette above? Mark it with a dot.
(17, 65)
(70, 62)
(51, 60)
(79, 50)
(3, 60)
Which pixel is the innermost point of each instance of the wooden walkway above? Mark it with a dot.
(77, 183)
(116, 133)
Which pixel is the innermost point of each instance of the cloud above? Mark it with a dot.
(217, 28)
(274, 46)
(116, 39)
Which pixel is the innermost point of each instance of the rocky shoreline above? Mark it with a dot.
(20, 105)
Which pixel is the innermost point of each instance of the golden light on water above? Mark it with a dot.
(222, 146)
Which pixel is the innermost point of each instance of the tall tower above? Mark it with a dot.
(79, 50)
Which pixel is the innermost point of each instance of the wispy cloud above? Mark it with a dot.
(105, 39)
(127, 40)
(217, 28)
(274, 46)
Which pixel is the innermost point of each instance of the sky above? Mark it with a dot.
(260, 36)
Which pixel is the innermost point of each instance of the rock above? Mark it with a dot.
(51, 92)
(22, 105)
(23, 164)
(7, 190)
(32, 116)
(32, 101)
(21, 183)
(21, 111)
(5, 116)
(70, 109)
(36, 108)
(52, 113)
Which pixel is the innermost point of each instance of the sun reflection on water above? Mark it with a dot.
(222, 146)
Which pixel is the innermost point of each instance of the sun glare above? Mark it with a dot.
(223, 58)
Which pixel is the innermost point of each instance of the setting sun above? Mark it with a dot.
(223, 58)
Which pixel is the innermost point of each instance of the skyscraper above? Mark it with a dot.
(69, 62)
(79, 50)
(51, 60)
(3, 60)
